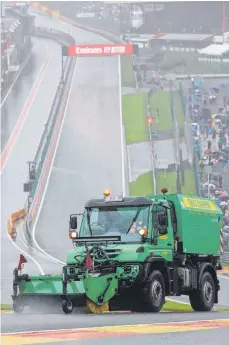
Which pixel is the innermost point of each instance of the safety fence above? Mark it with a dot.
(189, 141)
(46, 147)
(149, 115)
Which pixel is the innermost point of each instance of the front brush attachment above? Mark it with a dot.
(45, 293)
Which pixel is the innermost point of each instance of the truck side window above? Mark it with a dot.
(159, 219)
(173, 216)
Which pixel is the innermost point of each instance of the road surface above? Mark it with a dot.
(20, 149)
(89, 155)
(14, 103)
(163, 323)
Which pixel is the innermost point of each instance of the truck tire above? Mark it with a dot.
(204, 298)
(155, 292)
(67, 307)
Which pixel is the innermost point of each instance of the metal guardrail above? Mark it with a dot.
(43, 146)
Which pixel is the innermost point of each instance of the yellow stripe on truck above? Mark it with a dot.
(199, 204)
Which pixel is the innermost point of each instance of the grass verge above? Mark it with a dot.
(168, 180)
(6, 307)
(134, 117)
(174, 306)
(189, 186)
(127, 72)
(161, 100)
(142, 186)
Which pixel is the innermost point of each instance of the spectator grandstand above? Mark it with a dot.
(16, 29)
(187, 17)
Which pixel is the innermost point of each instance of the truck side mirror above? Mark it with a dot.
(73, 222)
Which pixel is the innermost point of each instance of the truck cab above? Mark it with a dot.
(150, 247)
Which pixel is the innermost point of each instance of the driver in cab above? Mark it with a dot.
(114, 220)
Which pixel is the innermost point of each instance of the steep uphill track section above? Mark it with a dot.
(89, 155)
(22, 149)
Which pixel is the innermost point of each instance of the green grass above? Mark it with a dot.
(182, 307)
(127, 72)
(134, 117)
(142, 186)
(161, 100)
(176, 306)
(6, 307)
(168, 181)
(225, 265)
(189, 186)
(178, 109)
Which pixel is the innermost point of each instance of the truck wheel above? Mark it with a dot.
(204, 299)
(18, 307)
(67, 307)
(156, 292)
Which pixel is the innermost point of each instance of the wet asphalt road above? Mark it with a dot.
(88, 158)
(14, 102)
(21, 150)
(36, 322)
(209, 337)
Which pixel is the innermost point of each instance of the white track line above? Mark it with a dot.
(117, 326)
(19, 73)
(27, 255)
(224, 277)
(35, 89)
(49, 175)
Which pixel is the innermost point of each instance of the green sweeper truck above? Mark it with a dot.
(129, 253)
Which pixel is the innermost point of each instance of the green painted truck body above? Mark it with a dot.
(173, 239)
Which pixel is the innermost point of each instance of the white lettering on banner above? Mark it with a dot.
(119, 49)
(105, 50)
(88, 51)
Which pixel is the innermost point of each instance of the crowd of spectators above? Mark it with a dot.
(209, 113)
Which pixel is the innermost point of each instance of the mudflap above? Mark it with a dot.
(99, 289)
(45, 292)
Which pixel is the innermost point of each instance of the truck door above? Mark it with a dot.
(162, 228)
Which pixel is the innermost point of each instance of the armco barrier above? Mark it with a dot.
(46, 148)
(14, 217)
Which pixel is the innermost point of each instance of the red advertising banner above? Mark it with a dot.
(100, 50)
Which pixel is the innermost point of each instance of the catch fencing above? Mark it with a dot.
(149, 115)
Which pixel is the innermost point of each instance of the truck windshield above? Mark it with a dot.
(125, 221)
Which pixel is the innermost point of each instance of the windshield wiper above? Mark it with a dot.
(135, 218)
(88, 222)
